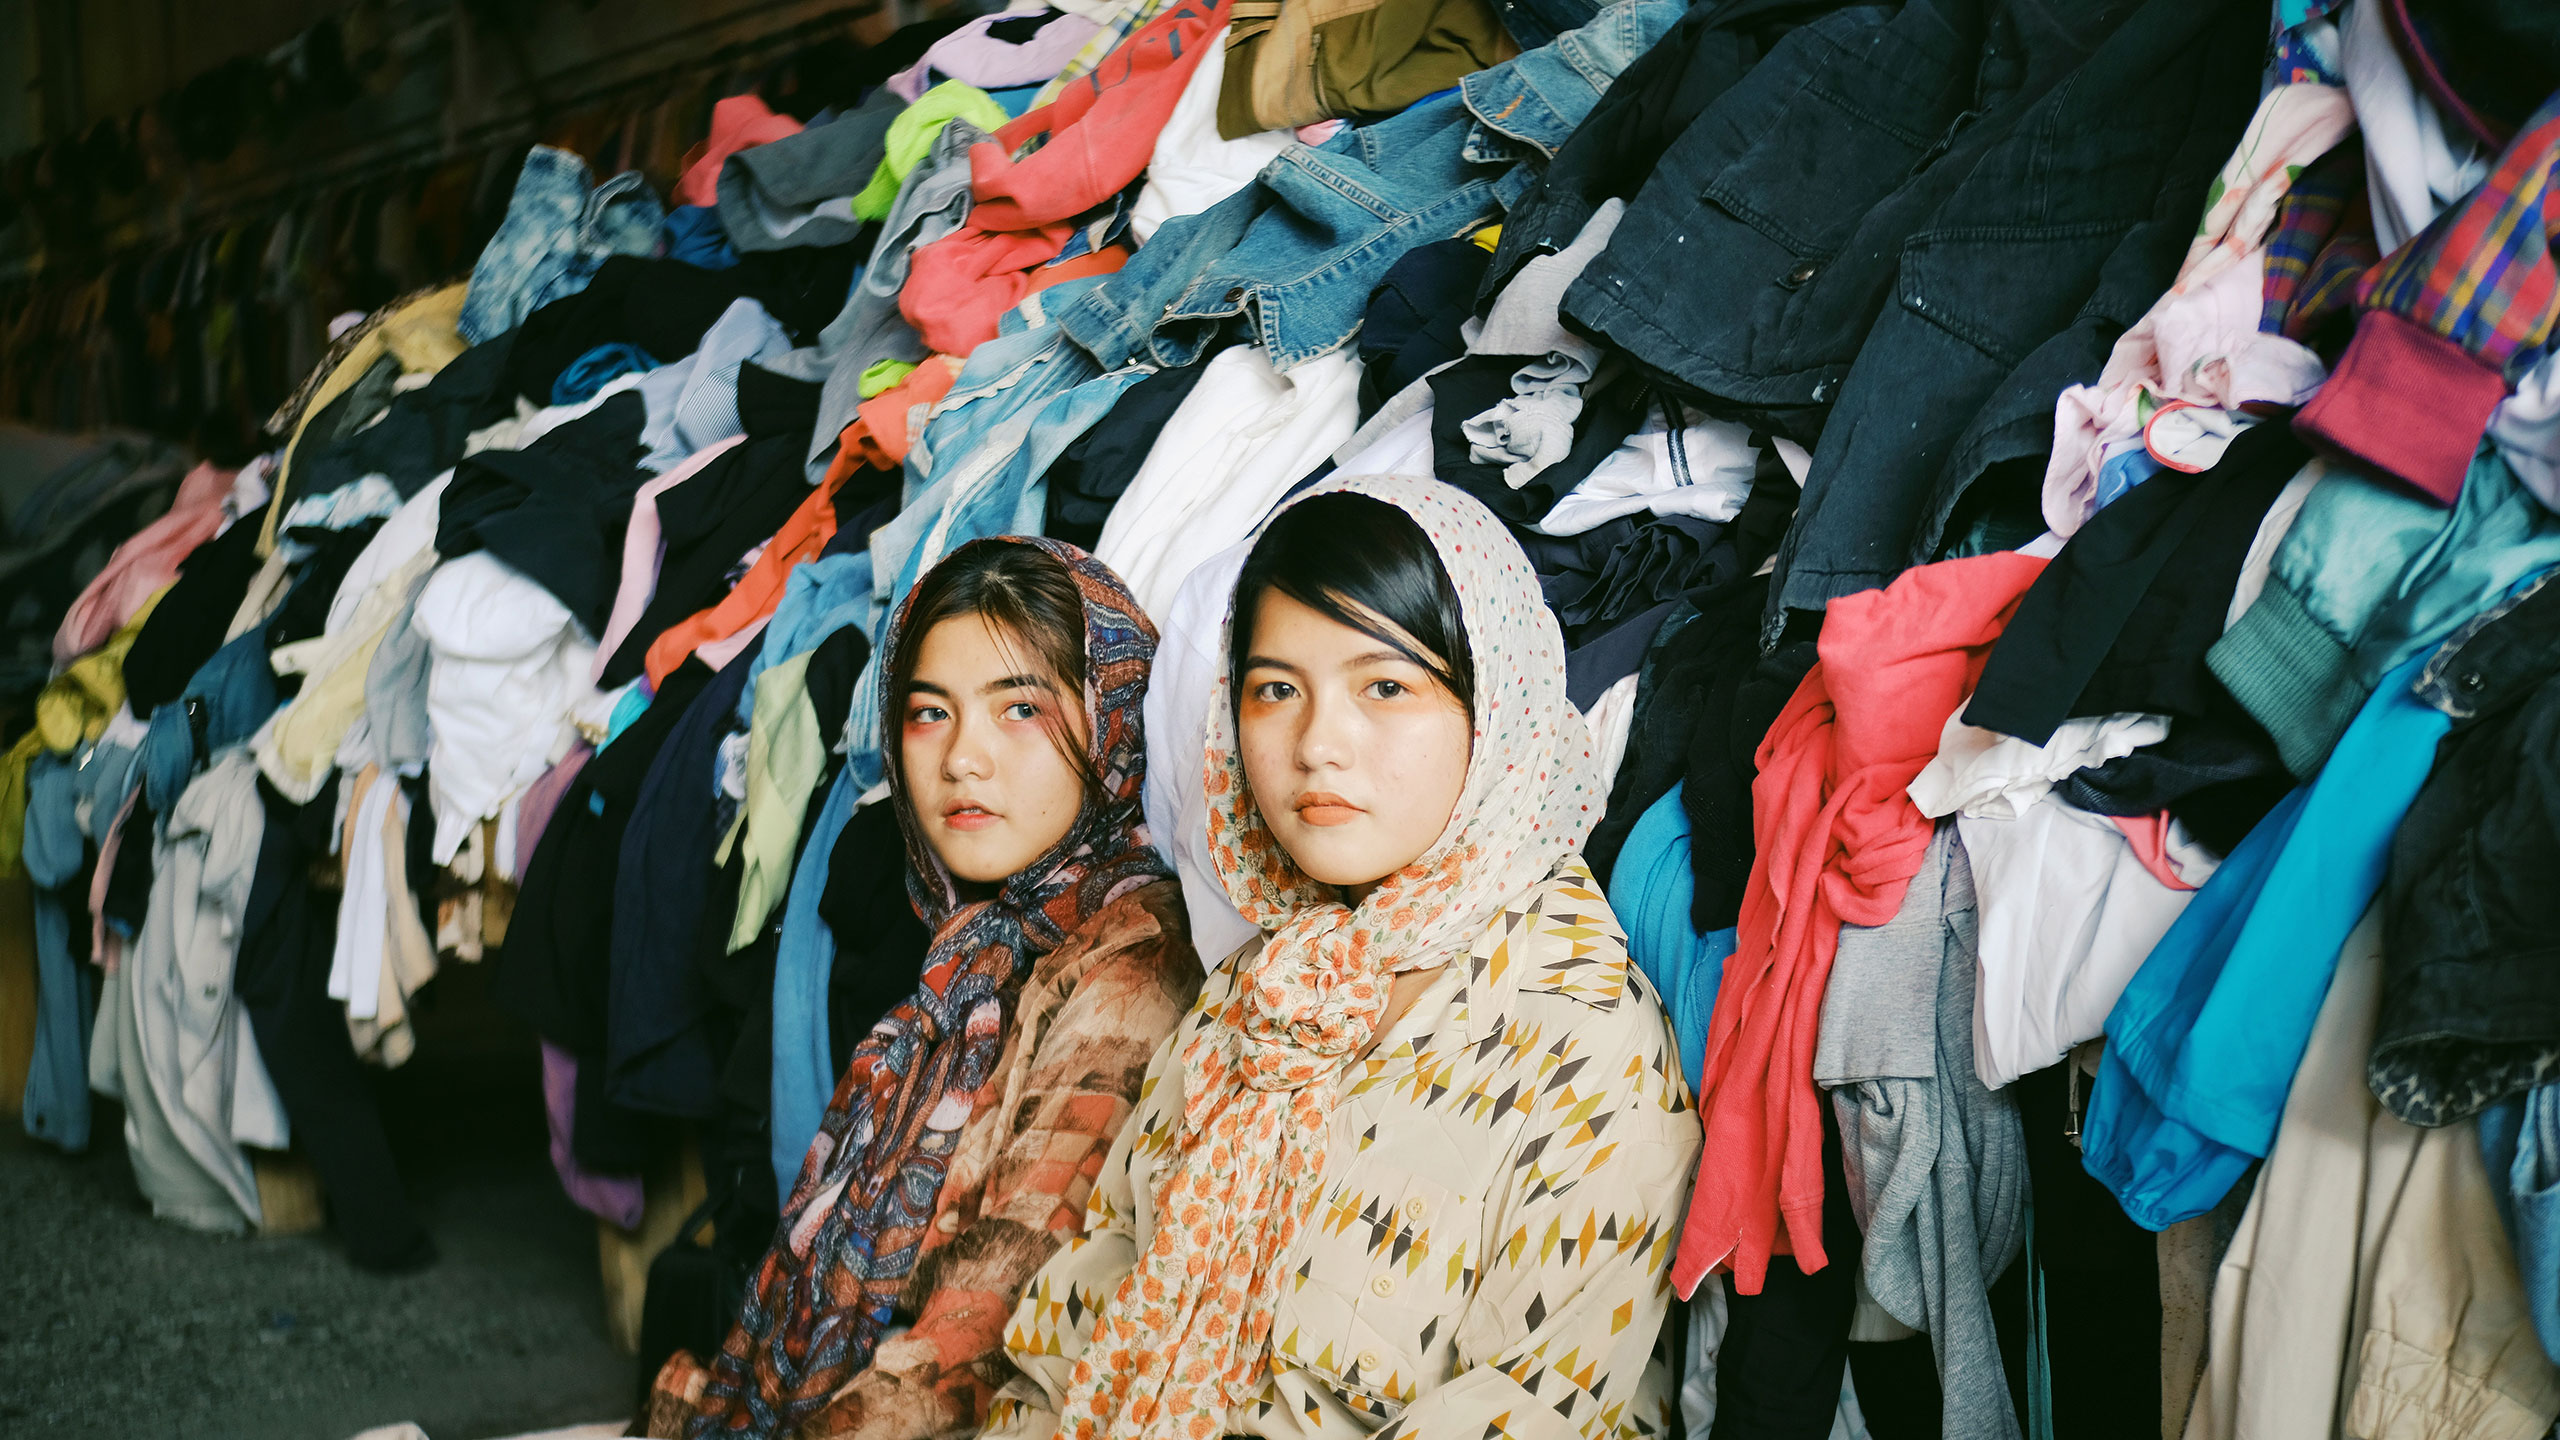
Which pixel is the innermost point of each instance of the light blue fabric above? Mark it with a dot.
(804, 1072)
(560, 228)
(1299, 249)
(56, 1106)
(693, 402)
(2520, 1141)
(2203, 1044)
(367, 497)
(1651, 890)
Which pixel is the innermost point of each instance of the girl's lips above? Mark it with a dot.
(969, 819)
(1328, 810)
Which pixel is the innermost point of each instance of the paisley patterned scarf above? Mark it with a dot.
(1187, 1336)
(849, 1235)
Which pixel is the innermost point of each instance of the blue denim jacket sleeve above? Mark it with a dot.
(1538, 97)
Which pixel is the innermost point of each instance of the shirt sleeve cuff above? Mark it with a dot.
(2407, 402)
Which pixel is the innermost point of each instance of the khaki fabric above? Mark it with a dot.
(1294, 62)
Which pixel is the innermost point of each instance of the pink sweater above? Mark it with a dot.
(143, 564)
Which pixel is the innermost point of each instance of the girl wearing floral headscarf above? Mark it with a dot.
(970, 1122)
(1414, 1164)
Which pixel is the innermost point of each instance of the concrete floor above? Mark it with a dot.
(115, 1325)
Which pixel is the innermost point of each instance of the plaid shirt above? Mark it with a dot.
(2320, 245)
(2482, 275)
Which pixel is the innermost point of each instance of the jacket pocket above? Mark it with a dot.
(2006, 289)
(1840, 137)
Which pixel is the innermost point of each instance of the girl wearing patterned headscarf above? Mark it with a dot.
(969, 1124)
(1414, 1164)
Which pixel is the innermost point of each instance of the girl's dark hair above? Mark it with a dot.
(1030, 599)
(1359, 562)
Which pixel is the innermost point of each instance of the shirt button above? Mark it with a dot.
(1368, 1360)
(2471, 682)
(948, 1223)
(1383, 1286)
(1803, 273)
(1415, 1209)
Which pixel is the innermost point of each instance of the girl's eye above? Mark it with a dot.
(1022, 710)
(1386, 689)
(927, 715)
(1272, 692)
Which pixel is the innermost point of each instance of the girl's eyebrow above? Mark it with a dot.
(1018, 682)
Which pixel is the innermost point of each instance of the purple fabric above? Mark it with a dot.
(971, 54)
(533, 812)
(612, 1198)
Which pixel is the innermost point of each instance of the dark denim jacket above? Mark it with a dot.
(2471, 916)
(1704, 54)
(1966, 190)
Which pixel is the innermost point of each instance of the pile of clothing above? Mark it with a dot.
(2051, 526)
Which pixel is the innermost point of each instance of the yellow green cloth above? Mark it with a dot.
(884, 376)
(73, 710)
(911, 138)
(786, 756)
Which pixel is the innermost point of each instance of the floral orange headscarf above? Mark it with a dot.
(1187, 1336)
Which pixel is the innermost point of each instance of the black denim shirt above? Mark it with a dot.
(1903, 232)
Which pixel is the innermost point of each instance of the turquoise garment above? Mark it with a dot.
(2203, 1045)
(633, 704)
(804, 1072)
(1651, 890)
(2370, 575)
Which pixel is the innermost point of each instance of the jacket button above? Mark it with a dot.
(1235, 295)
(1803, 273)
(2471, 682)
(1383, 1286)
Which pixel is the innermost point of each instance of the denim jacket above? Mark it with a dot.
(1538, 98)
(2470, 997)
(1975, 190)
(1299, 250)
